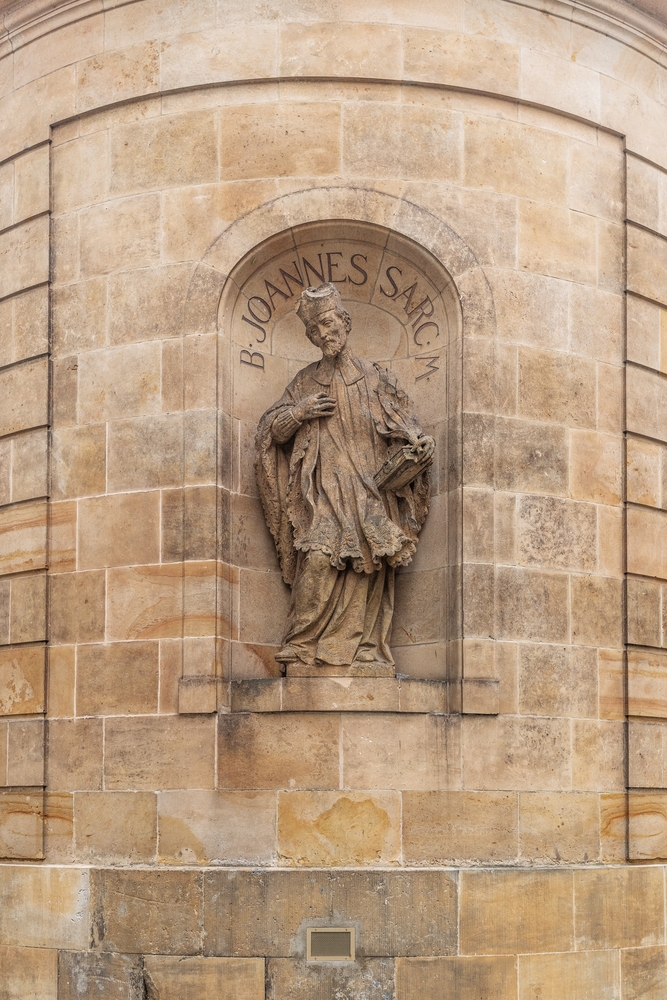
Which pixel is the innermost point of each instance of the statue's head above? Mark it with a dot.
(326, 320)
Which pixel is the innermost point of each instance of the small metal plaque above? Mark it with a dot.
(330, 944)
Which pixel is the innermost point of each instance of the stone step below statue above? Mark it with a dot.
(339, 694)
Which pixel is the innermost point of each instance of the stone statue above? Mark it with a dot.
(344, 495)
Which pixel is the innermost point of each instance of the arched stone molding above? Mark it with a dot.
(469, 440)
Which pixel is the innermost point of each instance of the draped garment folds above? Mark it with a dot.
(338, 537)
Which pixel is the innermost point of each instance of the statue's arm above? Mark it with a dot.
(285, 424)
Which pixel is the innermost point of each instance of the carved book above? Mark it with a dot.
(403, 466)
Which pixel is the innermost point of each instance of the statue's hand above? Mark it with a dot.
(312, 407)
(426, 444)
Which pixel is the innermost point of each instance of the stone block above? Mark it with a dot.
(212, 56)
(266, 751)
(62, 541)
(59, 827)
(647, 683)
(94, 976)
(117, 678)
(188, 523)
(25, 752)
(643, 472)
(148, 303)
(5, 597)
(23, 538)
(79, 317)
(264, 913)
(183, 151)
(428, 142)
(558, 680)
(646, 403)
(78, 461)
(24, 395)
(527, 754)
(150, 753)
(451, 828)
(557, 534)
(646, 755)
(119, 382)
(29, 973)
(516, 911)
(22, 670)
(568, 977)
(147, 912)
(596, 466)
(202, 827)
(77, 178)
(162, 601)
(647, 546)
(44, 907)
(611, 681)
(559, 828)
(29, 466)
(530, 308)
(27, 621)
(65, 382)
(264, 602)
(531, 605)
(146, 453)
(617, 908)
(372, 978)
(644, 604)
(200, 695)
(597, 755)
(77, 607)
(497, 151)
(123, 27)
(647, 263)
(339, 828)
(644, 323)
(420, 752)
(24, 256)
(21, 825)
(643, 973)
(556, 387)
(646, 817)
(117, 76)
(596, 610)
(31, 184)
(225, 978)
(463, 978)
(115, 827)
(74, 759)
(469, 61)
(119, 530)
(557, 242)
(417, 616)
(120, 234)
(279, 154)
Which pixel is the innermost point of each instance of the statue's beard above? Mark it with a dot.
(332, 348)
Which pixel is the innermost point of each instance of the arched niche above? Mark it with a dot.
(406, 314)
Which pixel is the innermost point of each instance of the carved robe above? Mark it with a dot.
(338, 537)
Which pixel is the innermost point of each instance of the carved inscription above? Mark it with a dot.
(412, 303)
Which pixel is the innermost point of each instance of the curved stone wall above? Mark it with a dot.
(173, 812)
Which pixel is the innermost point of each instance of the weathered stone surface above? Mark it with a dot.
(143, 912)
(370, 977)
(265, 913)
(226, 978)
(85, 975)
(509, 912)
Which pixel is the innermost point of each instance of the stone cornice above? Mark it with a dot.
(639, 23)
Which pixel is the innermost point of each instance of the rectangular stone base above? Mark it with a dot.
(338, 694)
(346, 670)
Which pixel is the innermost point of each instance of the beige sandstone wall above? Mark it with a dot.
(145, 149)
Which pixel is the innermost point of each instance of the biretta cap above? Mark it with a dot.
(315, 301)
